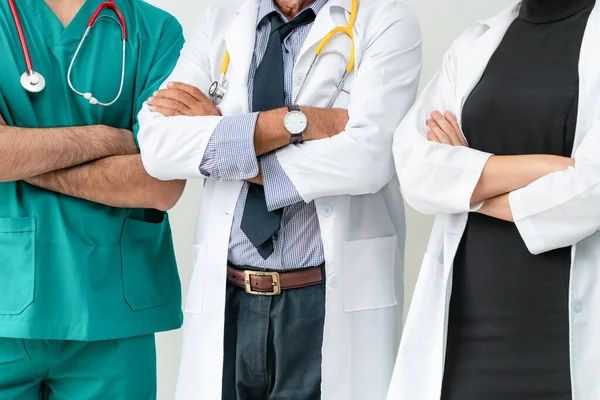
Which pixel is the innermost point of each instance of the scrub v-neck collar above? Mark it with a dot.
(53, 27)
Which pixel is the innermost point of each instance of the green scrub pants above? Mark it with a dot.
(123, 369)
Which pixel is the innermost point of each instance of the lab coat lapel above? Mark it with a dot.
(323, 24)
(589, 78)
(473, 63)
(240, 41)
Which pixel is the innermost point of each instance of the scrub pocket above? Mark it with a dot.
(148, 263)
(17, 264)
(368, 274)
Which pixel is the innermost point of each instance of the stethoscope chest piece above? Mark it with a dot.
(33, 82)
(218, 91)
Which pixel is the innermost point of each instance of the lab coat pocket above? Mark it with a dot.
(195, 295)
(368, 274)
(148, 263)
(17, 264)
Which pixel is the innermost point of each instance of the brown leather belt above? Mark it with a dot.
(272, 283)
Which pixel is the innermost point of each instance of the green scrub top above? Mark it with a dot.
(72, 269)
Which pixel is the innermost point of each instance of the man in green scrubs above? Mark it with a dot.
(87, 267)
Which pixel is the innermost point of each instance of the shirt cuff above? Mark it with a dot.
(230, 154)
(280, 192)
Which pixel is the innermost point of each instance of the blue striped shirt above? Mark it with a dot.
(230, 156)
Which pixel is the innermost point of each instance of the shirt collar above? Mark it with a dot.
(268, 6)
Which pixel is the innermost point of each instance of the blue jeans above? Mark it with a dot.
(273, 344)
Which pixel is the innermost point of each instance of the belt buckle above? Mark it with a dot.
(274, 276)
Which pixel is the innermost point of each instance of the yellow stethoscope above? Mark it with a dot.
(219, 89)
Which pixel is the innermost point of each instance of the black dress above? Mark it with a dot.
(508, 332)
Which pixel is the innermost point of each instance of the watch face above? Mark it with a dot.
(295, 122)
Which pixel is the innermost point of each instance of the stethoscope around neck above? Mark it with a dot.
(34, 82)
(219, 89)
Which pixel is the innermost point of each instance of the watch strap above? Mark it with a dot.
(295, 138)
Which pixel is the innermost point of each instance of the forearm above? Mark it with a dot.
(27, 152)
(270, 133)
(118, 181)
(497, 207)
(504, 174)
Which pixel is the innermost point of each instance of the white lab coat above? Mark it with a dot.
(348, 176)
(561, 209)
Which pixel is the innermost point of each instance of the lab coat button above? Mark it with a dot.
(577, 307)
(332, 281)
(300, 78)
(327, 210)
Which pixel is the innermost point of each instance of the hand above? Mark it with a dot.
(324, 123)
(444, 129)
(182, 99)
(2, 121)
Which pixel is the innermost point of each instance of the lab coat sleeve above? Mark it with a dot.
(437, 178)
(358, 160)
(173, 147)
(562, 208)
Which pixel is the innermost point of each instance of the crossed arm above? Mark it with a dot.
(96, 163)
(180, 99)
(501, 174)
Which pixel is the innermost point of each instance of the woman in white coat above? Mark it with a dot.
(504, 305)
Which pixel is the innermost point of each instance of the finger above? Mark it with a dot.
(454, 122)
(2, 121)
(189, 89)
(167, 112)
(446, 127)
(432, 137)
(170, 104)
(441, 135)
(177, 95)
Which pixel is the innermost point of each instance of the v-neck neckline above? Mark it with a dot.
(51, 24)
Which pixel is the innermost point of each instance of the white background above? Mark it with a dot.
(441, 21)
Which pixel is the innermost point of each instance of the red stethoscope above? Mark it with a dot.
(34, 82)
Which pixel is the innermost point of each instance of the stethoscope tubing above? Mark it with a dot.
(22, 39)
(339, 87)
(218, 90)
(88, 95)
(32, 78)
